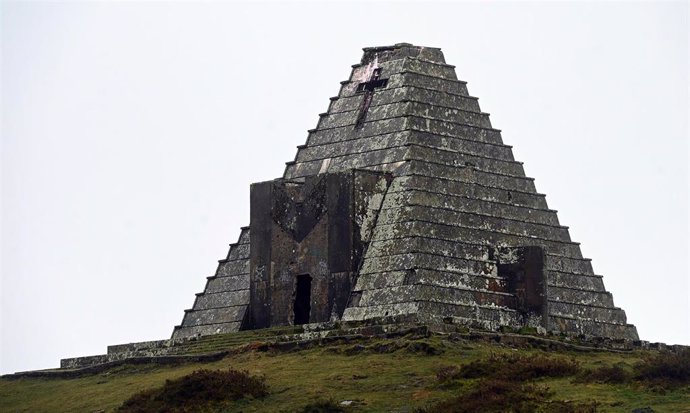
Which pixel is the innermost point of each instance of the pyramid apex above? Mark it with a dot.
(401, 50)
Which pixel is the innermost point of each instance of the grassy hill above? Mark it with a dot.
(423, 373)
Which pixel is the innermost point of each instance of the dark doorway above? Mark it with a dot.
(525, 279)
(302, 304)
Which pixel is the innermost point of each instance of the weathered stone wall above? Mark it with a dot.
(223, 304)
(458, 194)
(306, 245)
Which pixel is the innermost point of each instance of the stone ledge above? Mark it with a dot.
(103, 366)
(296, 337)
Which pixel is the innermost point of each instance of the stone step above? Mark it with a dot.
(352, 146)
(440, 112)
(221, 299)
(486, 317)
(462, 160)
(230, 268)
(495, 151)
(470, 190)
(468, 234)
(401, 123)
(406, 93)
(424, 260)
(569, 265)
(404, 108)
(444, 71)
(324, 136)
(408, 77)
(455, 279)
(400, 311)
(578, 296)
(228, 283)
(456, 203)
(230, 314)
(436, 293)
(565, 279)
(424, 244)
(222, 289)
(418, 79)
(411, 213)
(358, 144)
(244, 236)
(205, 330)
(467, 174)
(592, 328)
(456, 129)
(343, 163)
(237, 252)
(587, 312)
(343, 155)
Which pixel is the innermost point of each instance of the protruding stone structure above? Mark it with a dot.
(404, 206)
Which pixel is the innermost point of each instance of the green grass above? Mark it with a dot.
(376, 375)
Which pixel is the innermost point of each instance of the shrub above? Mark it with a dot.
(501, 396)
(518, 368)
(495, 396)
(666, 369)
(421, 347)
(606, 374)
(198, 391)
(448, 373)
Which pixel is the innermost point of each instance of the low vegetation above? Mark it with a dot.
(504, 385)
(511, 367)
(605, 374)
(497, 395)
(407, 374)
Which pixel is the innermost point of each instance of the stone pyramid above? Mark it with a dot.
(404, 205)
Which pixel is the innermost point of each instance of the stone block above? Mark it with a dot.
(592, 328)
(230, 268)
(565, 279)
(446, 114)
(428, 82)
(459, 159)
(238, 252)
(231, 283)
(380, 280)
(577, 296)
(454, 279)
(221, 299)
(462, 145)
(455, 129)
(208, 329)
(598, 314)
(468, 174)
(352, 146)
(214, 316)
(469, 190)
(429, 68)
(569, 265)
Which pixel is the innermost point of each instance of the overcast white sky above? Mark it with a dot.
(131, 132)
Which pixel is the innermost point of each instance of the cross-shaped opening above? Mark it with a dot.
(373, 83)
(368, 89)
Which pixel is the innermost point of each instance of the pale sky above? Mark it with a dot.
(132, 131)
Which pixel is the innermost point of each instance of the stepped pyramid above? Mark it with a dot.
(404, 205)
